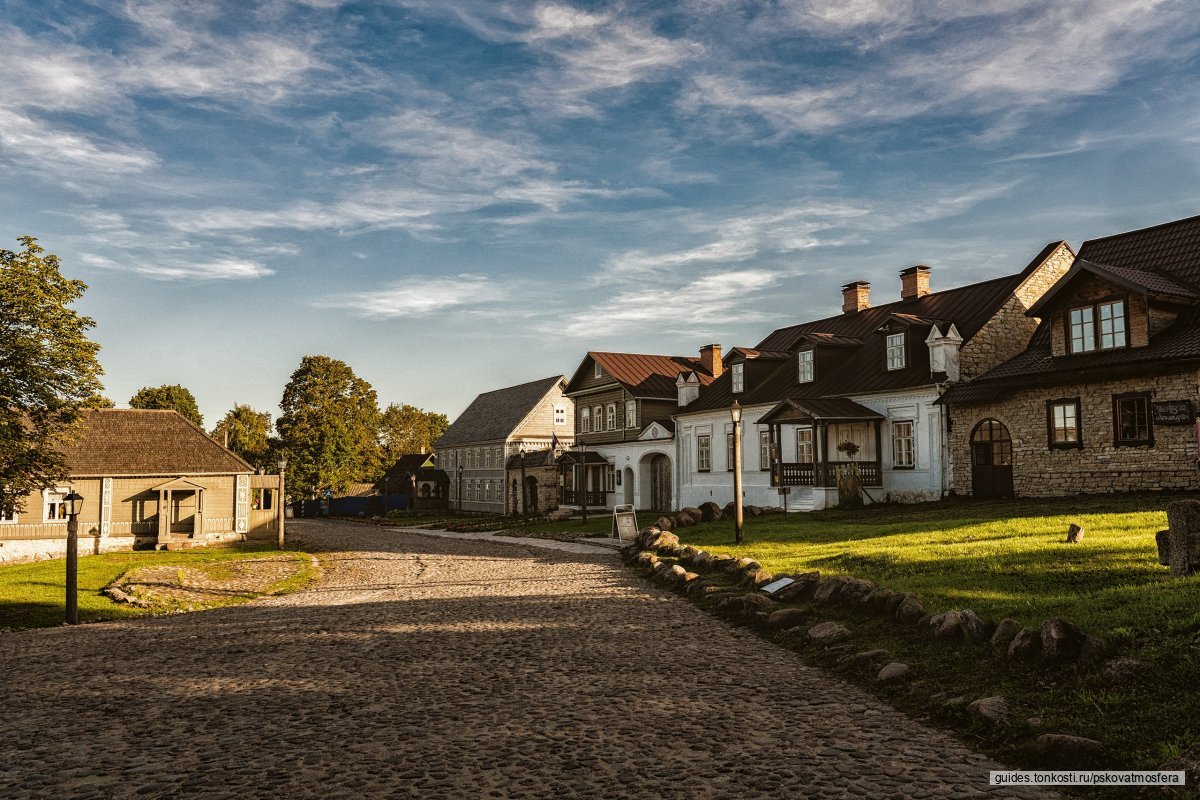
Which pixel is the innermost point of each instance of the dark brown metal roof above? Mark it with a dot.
(128, 441)
(650, 375)
(810, 409)
(1172, 248)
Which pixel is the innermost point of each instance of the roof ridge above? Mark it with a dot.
(1194, 218)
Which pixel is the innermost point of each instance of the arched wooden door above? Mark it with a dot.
(991, 460)
(660, 483)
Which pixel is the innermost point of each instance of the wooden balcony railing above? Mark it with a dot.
(574, 497)
(870, 473)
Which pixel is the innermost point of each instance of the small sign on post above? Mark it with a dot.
(625, 526)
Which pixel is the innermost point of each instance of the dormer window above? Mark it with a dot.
(895, 351)
(738, 379)
(599, 369)
(1087, 336)
(804, 360)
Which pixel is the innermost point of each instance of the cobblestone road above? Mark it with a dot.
(423, 667)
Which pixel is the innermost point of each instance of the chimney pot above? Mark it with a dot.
(710, 359)
(855, 297)
(914, 282)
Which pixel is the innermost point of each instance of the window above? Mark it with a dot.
(56, 509)
(738, 377)
(805, 361)
(1131, 419)
(598, 418)
(703, 453)
(1062, 423)
(611, 416)
(585, 421)
(729, 452)
(764, 450)
(599, 373)
(560, 414)
(1086, 336)
(610, 479)
(804, 445)
(8, 516)
(902, 444)
(895, 351)
(630, 413)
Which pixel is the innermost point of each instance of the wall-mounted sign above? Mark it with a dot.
(1173, 412)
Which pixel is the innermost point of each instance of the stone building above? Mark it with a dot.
(870, 376)
(534, 482)
(148, 479)
(1104, 396)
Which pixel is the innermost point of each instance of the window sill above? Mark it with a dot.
(1142, 443)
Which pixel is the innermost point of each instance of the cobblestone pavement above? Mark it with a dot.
(431, 667)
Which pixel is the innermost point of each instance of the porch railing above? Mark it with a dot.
(809, 474)
(574, 497)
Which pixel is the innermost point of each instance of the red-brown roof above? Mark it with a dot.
(650, 375)
(128, 441)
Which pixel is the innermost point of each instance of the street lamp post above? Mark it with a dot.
(74, 505)
(735, 412)
(460, 471)
(282, 500)
(583, 471)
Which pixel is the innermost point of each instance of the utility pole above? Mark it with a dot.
(736, 414)
(74, 504)
(282, 500)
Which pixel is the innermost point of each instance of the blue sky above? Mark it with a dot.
(457, 196)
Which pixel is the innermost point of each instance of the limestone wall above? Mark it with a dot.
(1038, 471)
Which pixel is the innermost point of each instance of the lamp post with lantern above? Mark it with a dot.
(74, 506)
(282, 499)
(735, 413)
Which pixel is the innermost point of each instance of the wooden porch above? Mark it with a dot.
(831, 422)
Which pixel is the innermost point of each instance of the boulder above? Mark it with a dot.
(751, 511)
(688, 577)
(1123, 671)
(828, 633)
(1061, 641)
(710, 512)
(699, 561)
(1068, 752)
(910, 610)
(685, 520)
(728, 511)
(854, 590)
(758, 578)
(1075, 534)
(974, 629)
(787, 618)
(990, 709)
(945, 625)
(674, 576)
(1093, 651)
(802, 587)
(876, 600)
(732, 606)
(646, 560)
(1005, 632)
(758, 602)
(893, 672)
(722, 564)
(869, 657)
(664, 524)
(663, 539)
(695, 514)
(827, 590)
(1025, 645)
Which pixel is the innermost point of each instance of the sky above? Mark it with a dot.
(454, 196)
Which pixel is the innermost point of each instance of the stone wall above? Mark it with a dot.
(1008, 332)
(547, 489)
(1038, 471)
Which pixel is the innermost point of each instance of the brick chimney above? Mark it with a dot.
(914, 282)
(710, 358)
(855, 297)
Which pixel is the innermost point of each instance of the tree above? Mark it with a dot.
(48, 369)
(173, 397)
(328, 427)
(407, 429)
(246, 432)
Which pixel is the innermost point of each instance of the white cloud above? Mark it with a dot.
(220, 269)
(417, 296)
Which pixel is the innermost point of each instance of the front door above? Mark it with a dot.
(991, 460)
(183, 512)
(660, 483)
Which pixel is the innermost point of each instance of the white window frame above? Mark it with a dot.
(897, 358)
(729, 451)
(585, 420)
(631, 413)
(610, 416)
(704, 452)
(599, 372)
(560, 414)
(1086, 325)
(898, 461)
(737, 380)
(764, 450)
(610, 479)
(1114, 323)
(598, 418)
(53, 498)
(806, 366)
(808, 440)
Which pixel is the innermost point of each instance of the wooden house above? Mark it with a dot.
(148, 479)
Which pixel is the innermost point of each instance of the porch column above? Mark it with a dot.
(198, 524)
(164, 515)
(879, 447)
(819, 434)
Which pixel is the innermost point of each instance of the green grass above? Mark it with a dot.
(32, 595)
(1009, 559)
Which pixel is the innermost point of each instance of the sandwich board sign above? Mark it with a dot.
(625, 523)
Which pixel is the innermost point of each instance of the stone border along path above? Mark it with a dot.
(424, 666)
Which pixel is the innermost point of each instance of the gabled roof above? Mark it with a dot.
(1153, 284)
(751, 353)
(860, 369)
(412, 464)
(643, 375)
(809, 409)
(531, 459)
(129, 441)
(1168, 249)
(494, 416)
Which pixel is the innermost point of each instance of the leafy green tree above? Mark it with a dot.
(99, 401)
(328, 427)
(405, 429)
(172, 397)
(48, 369)
(246, 432)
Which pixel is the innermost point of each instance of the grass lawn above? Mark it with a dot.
(1009, 559)
(31, 595)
